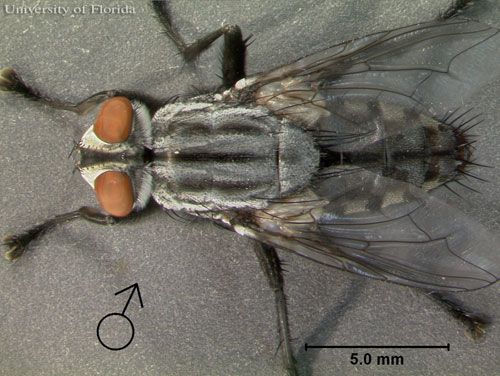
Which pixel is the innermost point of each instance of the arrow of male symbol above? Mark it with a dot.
(134, 287)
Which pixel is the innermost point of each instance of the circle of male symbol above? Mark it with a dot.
(131, 327)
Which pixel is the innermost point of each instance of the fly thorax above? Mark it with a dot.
(211, 156)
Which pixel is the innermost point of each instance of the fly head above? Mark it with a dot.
(114, 153)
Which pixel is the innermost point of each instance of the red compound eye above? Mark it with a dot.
(114, 192)
(114, 122)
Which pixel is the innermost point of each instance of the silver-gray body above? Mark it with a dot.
(332, 156)
(213, 156)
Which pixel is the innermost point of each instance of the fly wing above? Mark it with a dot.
(436, 64)
(381, 228)
(383, 85)
(353, 95)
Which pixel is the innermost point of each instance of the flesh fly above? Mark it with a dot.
(331, 157)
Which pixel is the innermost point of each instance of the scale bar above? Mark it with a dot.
(447, 347)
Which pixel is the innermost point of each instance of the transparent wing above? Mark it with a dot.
(381, 228)
(374, 87)
(378, 88)
(436, 63)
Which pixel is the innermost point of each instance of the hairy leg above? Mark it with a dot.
(475, 322)
(233, 56)
(271, 266)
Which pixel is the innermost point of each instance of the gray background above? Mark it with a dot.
(208, 310)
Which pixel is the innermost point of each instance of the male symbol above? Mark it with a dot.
(134, 287)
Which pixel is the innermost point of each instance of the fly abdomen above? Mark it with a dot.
(212, 157)
(422, 151)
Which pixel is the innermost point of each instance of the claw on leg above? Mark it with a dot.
(475, 323)
(17, 244)
(10, 81)
(15, 247)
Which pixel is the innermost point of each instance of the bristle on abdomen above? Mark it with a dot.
(425, 152)
(462, 122)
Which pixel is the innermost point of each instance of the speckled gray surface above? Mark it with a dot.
(207, 309)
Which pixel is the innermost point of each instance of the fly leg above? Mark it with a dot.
(233, 56)
(456, 7)
(476, 323)
(271, 266)
(18, 243)
(11, 81)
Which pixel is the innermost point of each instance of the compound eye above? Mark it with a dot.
(114, 122)
(114, 192)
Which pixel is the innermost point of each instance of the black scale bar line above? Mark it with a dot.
(447, 347)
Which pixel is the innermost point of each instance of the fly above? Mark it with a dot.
(331, 157)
